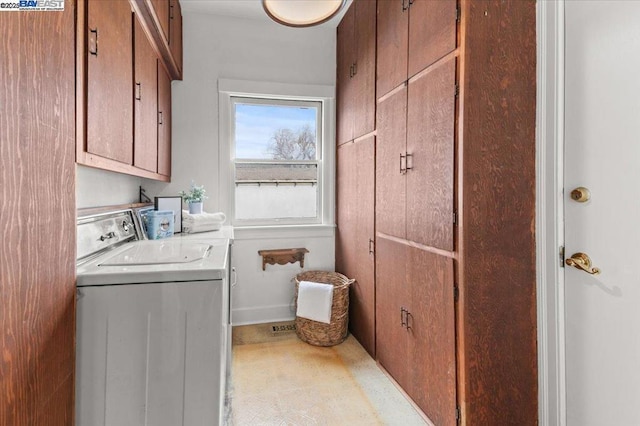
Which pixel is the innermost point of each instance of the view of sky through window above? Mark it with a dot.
(256, 125)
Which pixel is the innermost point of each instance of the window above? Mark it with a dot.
(278, 173)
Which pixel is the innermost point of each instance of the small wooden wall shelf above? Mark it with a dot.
(282, 256)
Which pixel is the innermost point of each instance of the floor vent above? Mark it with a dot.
(279, 329)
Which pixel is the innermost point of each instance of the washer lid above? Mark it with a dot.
(159, 253)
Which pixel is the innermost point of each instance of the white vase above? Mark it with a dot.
(195, 208)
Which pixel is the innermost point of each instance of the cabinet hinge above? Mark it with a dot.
(455, 218)
(458, 13)
(457, 90)
(458, 415)
(561, 255)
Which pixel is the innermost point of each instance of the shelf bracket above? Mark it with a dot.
(282, 256)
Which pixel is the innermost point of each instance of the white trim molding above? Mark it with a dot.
(549, 213)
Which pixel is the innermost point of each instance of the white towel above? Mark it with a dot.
(204, 218)
(314, 301)
(202, 222)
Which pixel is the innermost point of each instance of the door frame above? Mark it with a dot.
(550, 35)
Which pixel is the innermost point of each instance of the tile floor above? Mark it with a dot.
(279, 380)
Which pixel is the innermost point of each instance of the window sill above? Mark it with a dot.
(283, 231)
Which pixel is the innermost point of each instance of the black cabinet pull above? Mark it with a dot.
(371, 246)
(405, 5)
(407, 316)
(403, 170)
(160, 117)
(402, 311)
(93, 42)
(138, 91)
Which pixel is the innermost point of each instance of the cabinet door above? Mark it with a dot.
(161, 7)
(430, 142)
(365, 67)
(391, 182)
(146, 103)
(109, 77)
(393, 41)
(175, 32)
(432, 335)
(432, 32)
(391, 293)
(346, 209)
(164, 121)
(362, 299)
(345, 61)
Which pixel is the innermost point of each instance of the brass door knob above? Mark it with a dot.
(581, 194)
(583, 262)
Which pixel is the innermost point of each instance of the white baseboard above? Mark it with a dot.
(261, 315)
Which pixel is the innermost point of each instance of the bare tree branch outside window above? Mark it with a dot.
(286, 144)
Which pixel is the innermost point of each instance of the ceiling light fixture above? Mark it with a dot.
(302, 13)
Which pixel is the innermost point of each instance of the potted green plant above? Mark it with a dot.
(194, 198)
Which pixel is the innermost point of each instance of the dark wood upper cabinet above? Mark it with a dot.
(175, 33)
(145, 102)
(413, 34)
(344, 88)
(164, 121)
(356, 49)
(109, 59)
(392, 41)
(364, 68)
(432, 32)
(161, 8)
(123, 61)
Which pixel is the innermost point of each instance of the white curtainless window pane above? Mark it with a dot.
(276, 132)
(276, 191)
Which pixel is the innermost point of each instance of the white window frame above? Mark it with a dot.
(230, 89)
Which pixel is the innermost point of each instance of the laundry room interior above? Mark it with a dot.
(265, 212)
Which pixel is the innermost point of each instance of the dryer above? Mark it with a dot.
(153, 327)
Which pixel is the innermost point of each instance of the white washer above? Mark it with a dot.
(153, 325)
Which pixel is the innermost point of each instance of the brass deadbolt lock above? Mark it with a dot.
(580, 195)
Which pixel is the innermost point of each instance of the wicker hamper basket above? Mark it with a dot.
(319, 333)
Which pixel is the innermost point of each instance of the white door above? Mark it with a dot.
(602, 153)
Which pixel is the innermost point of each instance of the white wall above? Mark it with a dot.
(232, 48)
(96, 188)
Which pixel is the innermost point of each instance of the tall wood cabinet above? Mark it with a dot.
(356, 236)
(37, 212)
(455, 303)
